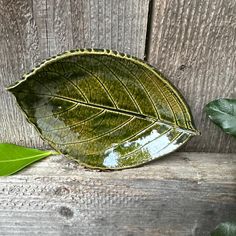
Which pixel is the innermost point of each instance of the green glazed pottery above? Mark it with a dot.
(105, 109)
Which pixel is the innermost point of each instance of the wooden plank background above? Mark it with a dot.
(182, 195)
(193, 42)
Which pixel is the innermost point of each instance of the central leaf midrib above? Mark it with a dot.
(121, 111)
(118, 110)
(223, 112)
(41, 155)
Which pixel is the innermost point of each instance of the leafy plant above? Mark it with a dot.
(104, 109)
(14, 158)
(223, 113)
(225, 229)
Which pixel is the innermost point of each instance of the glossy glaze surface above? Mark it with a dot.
(104, 109)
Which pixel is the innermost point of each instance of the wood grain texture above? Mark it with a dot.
(31, 31)
(182, 195)
(193, 42)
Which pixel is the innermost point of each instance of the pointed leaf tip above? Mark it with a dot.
(14, 158)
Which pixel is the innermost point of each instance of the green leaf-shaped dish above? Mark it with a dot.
(104, 109)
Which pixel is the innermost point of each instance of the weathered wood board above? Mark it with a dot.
(193, 43)
(183, 194)
(31, 31)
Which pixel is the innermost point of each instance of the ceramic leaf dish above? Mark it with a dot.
(104, 109)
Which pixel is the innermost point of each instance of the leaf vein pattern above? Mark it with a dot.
(144, 88)
(37, 107)
(100, 82)
(58, 113)
(126, 89)
(78, 123)
(71, 82)
(102, 135)
(87, 84)
(167, 101)
(129, 113)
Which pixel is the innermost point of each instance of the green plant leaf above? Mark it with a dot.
(104, 109)
(14, 158)
(223, 113)
(225, 229)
